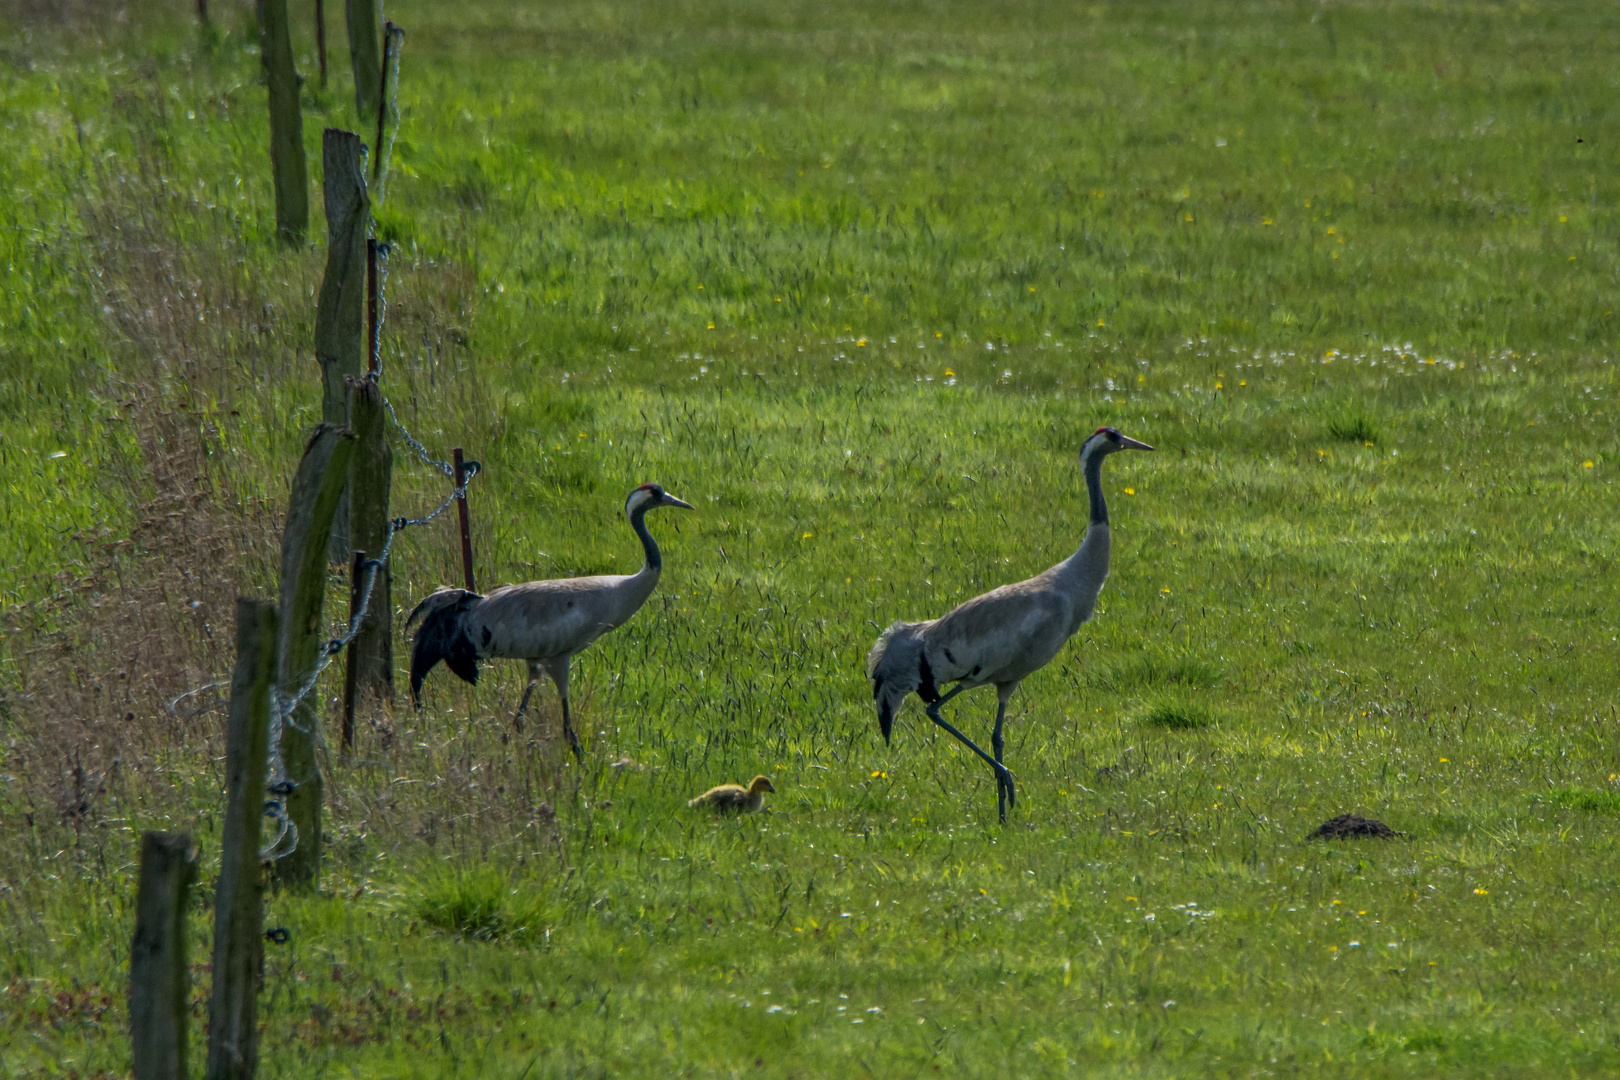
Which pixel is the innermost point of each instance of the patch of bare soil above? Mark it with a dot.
(1352, 827)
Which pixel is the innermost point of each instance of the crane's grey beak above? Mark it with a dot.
(1128, 443)
(670, 500)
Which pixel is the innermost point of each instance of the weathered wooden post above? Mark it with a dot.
(288, 167)
(371, 655)
(159, 981)
(340, 311)
(320, 38)
(316, 489)
(392, 35)
(362, 19)
(233, 1024)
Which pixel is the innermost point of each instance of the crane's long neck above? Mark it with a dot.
(1092, 466)
(1084, 572)
(649, 546)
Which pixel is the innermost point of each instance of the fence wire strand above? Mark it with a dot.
(280, 785)
(282, 704)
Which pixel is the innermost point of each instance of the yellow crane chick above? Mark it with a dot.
(744, 800)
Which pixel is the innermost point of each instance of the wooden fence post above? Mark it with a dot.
(288, 167)
(362, 19)
(320, 38)
(371, 472)
(340, 311)
(389, 44)
(159, 982)
(233, 1026)
(316, 489)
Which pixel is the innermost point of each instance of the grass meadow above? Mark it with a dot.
(855, 280)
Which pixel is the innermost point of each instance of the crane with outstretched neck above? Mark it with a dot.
(543, 622)
(1002, 636)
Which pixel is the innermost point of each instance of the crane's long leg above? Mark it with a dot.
(1004, 780)
(1004, 788)
(568, 730)
(534, 677)
(559, 675)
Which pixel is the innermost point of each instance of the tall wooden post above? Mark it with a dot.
(371, 477)
(340, 311)
(233, 1019)
(389, 44)
(159, 981)
(316, 490)
(466, 524)
(320, 37)
(362, 20)
(288, 166)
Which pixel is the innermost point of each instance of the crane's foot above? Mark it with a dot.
(1006, 795)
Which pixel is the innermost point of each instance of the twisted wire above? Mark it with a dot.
(282, 704)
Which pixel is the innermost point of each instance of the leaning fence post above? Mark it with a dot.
(159, 982)
(362, 20)
(340, 311)
(233, 1029)
(316, 489)
(288, 166)
(466, 525)
(371, 472)
(391, 34)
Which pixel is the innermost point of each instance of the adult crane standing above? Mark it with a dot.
(543, 622)
(1002, 636)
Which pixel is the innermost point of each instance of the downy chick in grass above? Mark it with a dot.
(728, 797)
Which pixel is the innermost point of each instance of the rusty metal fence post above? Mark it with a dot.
(466, 524)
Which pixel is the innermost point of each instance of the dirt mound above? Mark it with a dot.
(1351, 826)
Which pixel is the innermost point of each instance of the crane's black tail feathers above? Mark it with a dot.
(443, 636)
(894, 666)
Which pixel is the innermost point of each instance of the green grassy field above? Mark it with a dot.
(856, 281)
